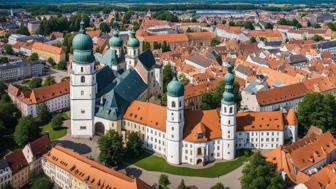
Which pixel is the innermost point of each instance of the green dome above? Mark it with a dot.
(115, 41)
(133, 41)
(83, 57)
(82, 41)
(175, 88)
(228, 96)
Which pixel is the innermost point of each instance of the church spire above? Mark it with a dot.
(82, 29)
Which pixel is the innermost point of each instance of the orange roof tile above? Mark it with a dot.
(95, 175)
(47, 48)
(167, 38)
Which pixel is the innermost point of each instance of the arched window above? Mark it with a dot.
(82, 79)
(230, 110)
(173, 104)
(82, 93)
(224, 109)
(82, 69)
(180, 104)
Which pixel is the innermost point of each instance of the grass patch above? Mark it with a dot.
(55, 134)
(154, 163)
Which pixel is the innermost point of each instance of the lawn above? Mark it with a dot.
(154, 163)
(55, 134)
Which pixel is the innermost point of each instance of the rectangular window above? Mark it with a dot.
(82, 127)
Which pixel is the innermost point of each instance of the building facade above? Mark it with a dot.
(20, 70)
(55, 96)
(70, 170)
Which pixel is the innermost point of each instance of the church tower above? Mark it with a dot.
(228, 116)
(116, 43)
(132, 50)
(175, 121)
(82, 85)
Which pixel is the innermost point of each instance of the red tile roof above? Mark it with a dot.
(16, 160)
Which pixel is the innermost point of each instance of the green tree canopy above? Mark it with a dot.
(49, 81)
(111, 148)
(33, 57)
(211, 100)
(318, 110)
(51, 61)
(41, 182)
(215, 41)
(317, 38)
(26, 131)
(43, 114)
(146, 45)
(258, 173)
(104, 27)
(9, 114)
(134, 145)
(269, 26)
(218, 186)
(57, 121)
(167, 76)
(8, 49)
(163, 181)
(35, 83)
(23, 30)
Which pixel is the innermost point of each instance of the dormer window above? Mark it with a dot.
(199, 135)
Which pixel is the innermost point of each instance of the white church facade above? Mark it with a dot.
(116, 97)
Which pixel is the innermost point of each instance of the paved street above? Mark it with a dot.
(89, 148)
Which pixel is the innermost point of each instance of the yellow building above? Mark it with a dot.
(46, 51)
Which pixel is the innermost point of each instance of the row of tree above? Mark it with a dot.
(62, 24)
(112, 148)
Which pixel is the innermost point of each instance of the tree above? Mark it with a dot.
(317, 38)
(215, 41)
(42, 182)
(43, 114)
(189, 30)
(23, 30)
(35, 83)
(9, 114)
(57, 121)
(111, 148)
(317, 25)
(4, 59)
(51, 61)
(33, 57)
(182, 185)
(232, 23)
(49, 81)
(249, 25)
(183, 78)
(318, 110)
(62, 65)
(253, 40)
(258, 173)
(104, 27)
(146, 45)
(156, 45)
(212, 100)
(164, 181)
(269, 26)
(218, 186)
(8, 49)
(167, 76)
(134, 145)
(165, 47)
(332, 26)
(26, 131)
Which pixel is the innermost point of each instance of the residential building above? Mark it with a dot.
(14, 38)
(55, 96)
(33, 152)
(46, 51)
(18, 70)
(5, 173)
(70, 170)
(326, 46)
(19, 168)
(304, 162)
